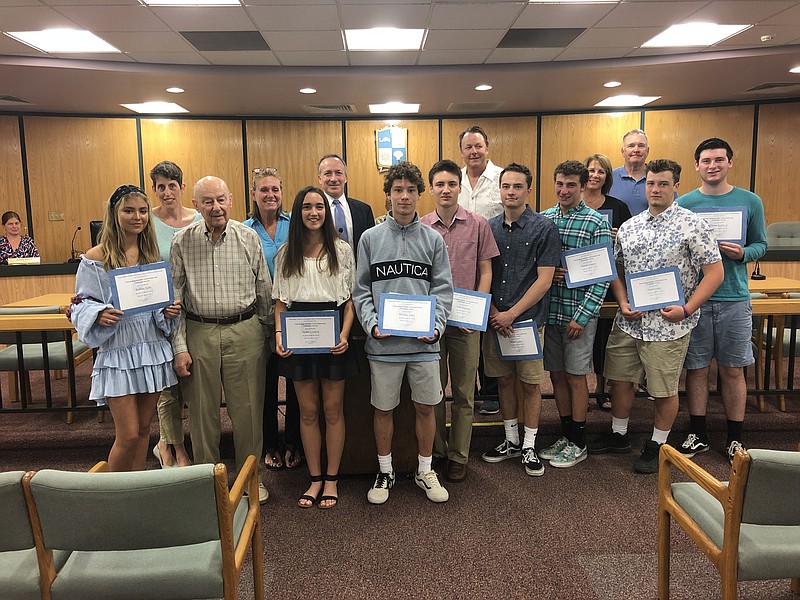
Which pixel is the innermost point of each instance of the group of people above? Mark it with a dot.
(232, 281)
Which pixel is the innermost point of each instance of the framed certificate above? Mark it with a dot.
(728, 222)
(141, 288)
(524, 343)
(470, 309)
(609, 216)
(407, 315)
(311, 331)
(588, 265)
(650, 290)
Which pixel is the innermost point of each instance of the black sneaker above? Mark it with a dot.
(648, 461)
(609, 442)
(533, 466)
(502, 452)
(693, 444)
(732, 448)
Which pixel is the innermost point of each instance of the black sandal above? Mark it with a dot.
(312, 500)
(602, 400)
(335, 498)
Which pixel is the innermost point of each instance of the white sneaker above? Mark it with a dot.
(263, 494)
(429, 482)
(379, 492)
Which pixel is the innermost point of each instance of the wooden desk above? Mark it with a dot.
(774, 285)
(57, 299)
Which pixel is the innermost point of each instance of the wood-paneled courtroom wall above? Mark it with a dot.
(73, 163)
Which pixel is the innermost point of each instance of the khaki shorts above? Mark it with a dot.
(630, 359)
(527, 371)
(387, 377)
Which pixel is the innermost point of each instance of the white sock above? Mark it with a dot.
(512, 431)
(385, 463)
(619, 426)
(660, 436)
(530, 437)
(424, 463)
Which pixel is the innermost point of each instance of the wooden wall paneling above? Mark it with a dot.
(14, 289)
(199, 148)
(74, 165)
(574, 137)
(676, 133)
(778, 156)
(294, 148)
(511, 139)
(363, 179)
(12, 188)
(777, 269)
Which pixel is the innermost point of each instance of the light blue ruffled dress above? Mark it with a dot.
(134, 356)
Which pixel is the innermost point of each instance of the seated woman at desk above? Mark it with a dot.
(13, 244)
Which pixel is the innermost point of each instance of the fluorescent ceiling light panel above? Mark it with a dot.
(627, 100)
(694, 34)
(191, 2)
(394, 108)
(794, 70)
(384, 38)
(160, 108)
(63, 41)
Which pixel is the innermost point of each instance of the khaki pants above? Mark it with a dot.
(233, 358)
(170, 415)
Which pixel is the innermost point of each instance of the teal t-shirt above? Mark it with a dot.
(734, 287)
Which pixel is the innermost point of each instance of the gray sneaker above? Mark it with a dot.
(379, 492)
(551, 452)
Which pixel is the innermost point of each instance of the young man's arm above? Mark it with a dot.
(621, 294)
(713, 274)
(441, 288)
(595, 293)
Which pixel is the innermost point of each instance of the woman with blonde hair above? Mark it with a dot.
(134, 355)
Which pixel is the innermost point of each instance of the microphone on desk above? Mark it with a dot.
(74, 255)
(757, 273)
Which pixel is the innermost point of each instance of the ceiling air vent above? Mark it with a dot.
(474, 107)
(768, 87)
(330, 108)
(8, 99)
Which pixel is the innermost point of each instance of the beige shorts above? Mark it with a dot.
(660, 363)
(527, 371)
(387, 378)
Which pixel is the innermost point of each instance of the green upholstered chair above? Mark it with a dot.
(783, 234)
(748, 527)
(163, 534)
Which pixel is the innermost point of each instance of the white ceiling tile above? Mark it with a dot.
(591, 53)
(475, 16)
(790, 16)
(229, 18)
(147, 41)
(12, 3)
(169, 58)
(517, 55)
(241, 58)
(392, 2)
(463, 40)
(454, 57)
(414, 16)
(284, 2)
(383, 58)
(562, 15)
(295, 17)
(615, 38)
(313, 59)
(32, 18)
(752, 37)
(728, 12)
(114, 18)
(661, 51)
(299, 41)
(91, 2)
(644, 15)
(15, 48)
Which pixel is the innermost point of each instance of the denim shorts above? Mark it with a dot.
(564, 354)
(723, 332)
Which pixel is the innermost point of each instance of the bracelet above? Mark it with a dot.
(686, 313)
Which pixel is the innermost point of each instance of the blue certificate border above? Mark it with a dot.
(112, 279)
(405, 332)
(485, 320)
(674, 270)
(309, 313)
(523, 325)
(609, 215)
(611, 277)
(742, 230)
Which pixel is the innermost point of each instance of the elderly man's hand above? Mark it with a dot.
(181, 363)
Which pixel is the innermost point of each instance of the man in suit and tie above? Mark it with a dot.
(351, 217)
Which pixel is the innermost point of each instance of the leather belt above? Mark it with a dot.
(250, 312)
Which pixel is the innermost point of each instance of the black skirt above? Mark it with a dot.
(313, 367)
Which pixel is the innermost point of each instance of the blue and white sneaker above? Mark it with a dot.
(551, 452)
(569, 456)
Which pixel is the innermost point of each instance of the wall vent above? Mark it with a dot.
(330, 108)
(775, 85)
(474, 107)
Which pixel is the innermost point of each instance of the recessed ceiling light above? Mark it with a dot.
(484, 87)
(694, 34)
(175, 90)
(794, 70)
(627, 100)
(308, 91)
(161, 108)
(394, 108)
(384, 38)
(192, 2)
(612, 84)
(62, 41)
